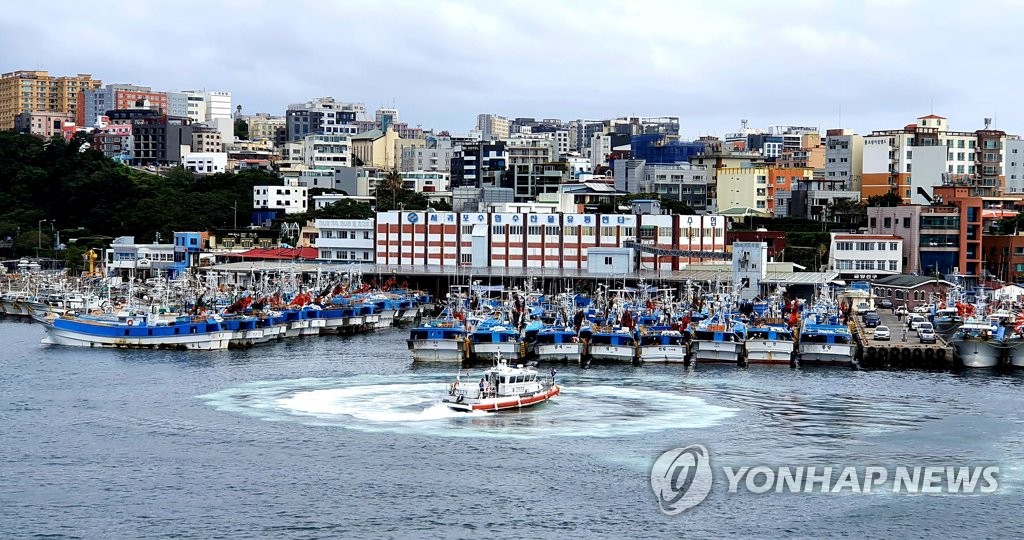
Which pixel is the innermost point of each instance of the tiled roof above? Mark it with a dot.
(278, 254)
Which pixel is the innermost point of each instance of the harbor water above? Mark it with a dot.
(342, 437)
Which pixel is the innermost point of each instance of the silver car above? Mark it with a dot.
(882, 332)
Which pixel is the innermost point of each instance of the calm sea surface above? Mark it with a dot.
(342, 438)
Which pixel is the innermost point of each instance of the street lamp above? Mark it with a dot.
(39, 237)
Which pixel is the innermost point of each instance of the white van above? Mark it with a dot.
(924, 326)
(914, 321)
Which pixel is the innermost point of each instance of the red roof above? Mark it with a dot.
(278, 253)
(934, 116)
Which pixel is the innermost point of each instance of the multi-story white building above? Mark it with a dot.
(492, 126)
(291, 199)
(425, 181)
(435, 156)
(346, 240)
(681, 181)
(926, 154)
(316, 178)
(125, 256)
(538, 240)
(204, 106)
(205, 162)
(326, 150)
(864, 256)
(323, 116)
(1014, 169)
(844, 157)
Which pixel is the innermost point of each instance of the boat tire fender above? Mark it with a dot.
(941, 354)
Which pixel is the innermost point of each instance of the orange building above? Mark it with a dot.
(783, 179)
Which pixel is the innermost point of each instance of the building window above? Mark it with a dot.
(873, 223)
(892, 266)
(608, 261)
(906, 223)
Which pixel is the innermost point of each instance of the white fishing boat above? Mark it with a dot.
(667, 346)
(144, 332)
(502, 387)
(978, 343)
(558, 344)
(769, 344)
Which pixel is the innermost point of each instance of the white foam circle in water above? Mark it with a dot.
(411, 404)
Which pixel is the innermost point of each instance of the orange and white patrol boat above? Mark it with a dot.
(500, 388)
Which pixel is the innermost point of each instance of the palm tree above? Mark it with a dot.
(392, 183)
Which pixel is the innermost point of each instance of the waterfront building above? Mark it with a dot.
(31, 91)
(345, 240)
(127, 258)
(541, 240)
(865, 256)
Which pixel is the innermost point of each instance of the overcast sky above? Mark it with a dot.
(881, 62)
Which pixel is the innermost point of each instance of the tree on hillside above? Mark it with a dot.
(890, 199)
(241, 129)
(346, 209)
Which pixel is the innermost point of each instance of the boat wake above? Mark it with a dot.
(410, 404)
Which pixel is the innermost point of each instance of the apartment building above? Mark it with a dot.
(31, 91)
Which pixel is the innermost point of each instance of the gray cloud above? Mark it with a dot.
(883, 62)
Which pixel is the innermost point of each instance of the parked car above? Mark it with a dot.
(924, 326)
(871, 319)
(901, 310)
(885, 303)
(882, 332)
(914, 321)
(927, 335)
(924, 308)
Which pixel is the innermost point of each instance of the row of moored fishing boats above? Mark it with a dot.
(187, 315)
(633, 326)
